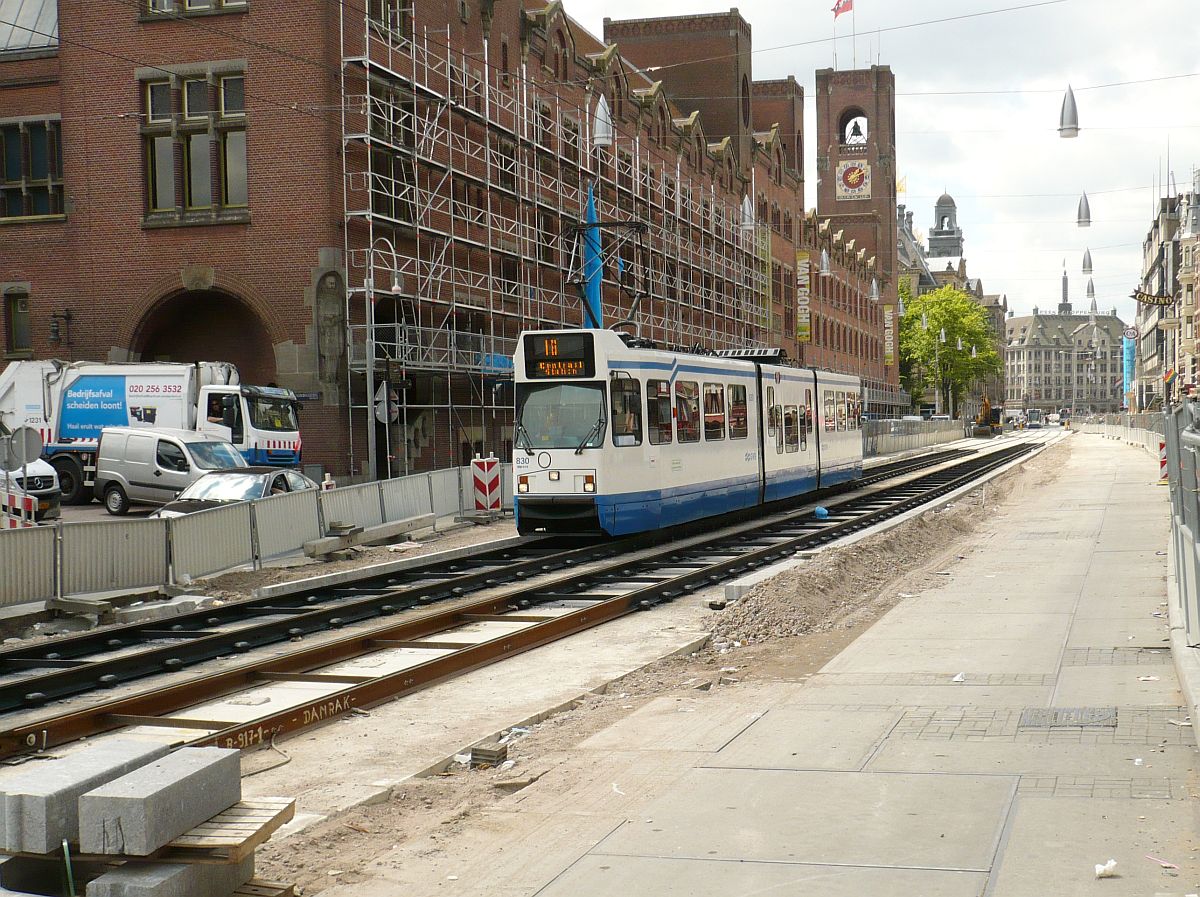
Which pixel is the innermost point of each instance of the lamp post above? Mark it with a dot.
(369, 316)
(937, 362)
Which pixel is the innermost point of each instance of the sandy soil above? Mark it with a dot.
(786, 629)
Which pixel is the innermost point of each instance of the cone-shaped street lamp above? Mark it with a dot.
(900, 306)
(924, 321)
(1084, 217)
(1068, 118)
(973, 354)
(1087, 261)
(874, 294)
(942, 335)
(1091, 289)
(602, 128)
(958, 344)
(824, 269)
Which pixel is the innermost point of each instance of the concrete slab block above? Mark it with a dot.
(933, 625)
(173, 879)
(974, 655)
(735, 814)
(1054, 843)
(1111, 604)
(1120, 632)
(1100, 686)
(803, 738)
(140, 812)
(40, 800)
(36, 875)
(1113, 762)
(684, 724)
(601, 876)
(826, 689)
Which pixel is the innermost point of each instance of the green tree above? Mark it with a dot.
(926, 361)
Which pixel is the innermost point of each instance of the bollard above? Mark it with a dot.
(1162, 462)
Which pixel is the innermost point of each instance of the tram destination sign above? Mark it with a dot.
(559, 355)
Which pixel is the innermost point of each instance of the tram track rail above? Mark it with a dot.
(531, 613)
(35, 675)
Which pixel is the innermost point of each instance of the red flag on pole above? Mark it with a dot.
(842, 6)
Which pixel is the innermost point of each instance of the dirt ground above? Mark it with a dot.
(785, 629)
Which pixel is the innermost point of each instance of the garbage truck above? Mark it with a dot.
(69, 403)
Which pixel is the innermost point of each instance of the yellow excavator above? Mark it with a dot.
(988, 422)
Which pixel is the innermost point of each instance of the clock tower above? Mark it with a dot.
(856, 162)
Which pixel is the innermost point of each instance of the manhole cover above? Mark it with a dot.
(1059, 717)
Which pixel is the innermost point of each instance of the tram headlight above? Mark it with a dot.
(554, 475)
(589, 483)
(523, 484)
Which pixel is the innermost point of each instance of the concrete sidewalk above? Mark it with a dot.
(1000, 734)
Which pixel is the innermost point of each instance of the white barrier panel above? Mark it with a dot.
(209, 541)
(27, 562)
(406, 497)
(506, 486)
(447, 492)
(113, 554)
(358, 505)
(285, 522)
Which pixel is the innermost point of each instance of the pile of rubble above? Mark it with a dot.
(129, 818)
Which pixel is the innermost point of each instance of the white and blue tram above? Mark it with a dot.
(614, 435)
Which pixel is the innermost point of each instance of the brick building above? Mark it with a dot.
(368, 204)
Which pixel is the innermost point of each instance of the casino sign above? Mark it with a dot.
(1152, 298)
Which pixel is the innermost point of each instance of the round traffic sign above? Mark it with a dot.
(1131, 333)
(24, 447)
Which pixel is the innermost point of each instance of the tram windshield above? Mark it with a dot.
(560, 415)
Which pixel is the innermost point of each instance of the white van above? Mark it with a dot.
(152, 466)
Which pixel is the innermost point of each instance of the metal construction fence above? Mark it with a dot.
(1174, 438)
(885, 437)
(114, 555)
(46, 562)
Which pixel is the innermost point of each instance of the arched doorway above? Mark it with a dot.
(207, 325)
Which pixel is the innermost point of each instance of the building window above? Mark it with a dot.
(17, 333)
(205, 118)
(233, 96)
(31, 182)
(198, 171)
(185, 7)
(233, 168)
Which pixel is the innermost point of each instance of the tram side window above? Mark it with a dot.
(830, 418)
(739, 425)
(791, 428)
(841, 411)
(687, 410)
(714, 412)
(770, 410)
(806, 425)
(626, 394)
(658, 412)
(855, 412)
(777, 414)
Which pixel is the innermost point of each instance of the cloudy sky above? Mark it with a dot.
(978, 112)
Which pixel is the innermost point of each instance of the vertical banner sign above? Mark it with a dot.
(762, 236)
(803, 316)
(1129, 358)
(889, 335)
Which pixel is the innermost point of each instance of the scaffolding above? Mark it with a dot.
(464, 190)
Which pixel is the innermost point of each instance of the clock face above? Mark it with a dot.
(853, 176)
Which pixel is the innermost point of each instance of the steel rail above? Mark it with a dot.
(60, 668)
(702, 562)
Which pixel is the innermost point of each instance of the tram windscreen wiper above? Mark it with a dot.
(594, 431)
(522, 432)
